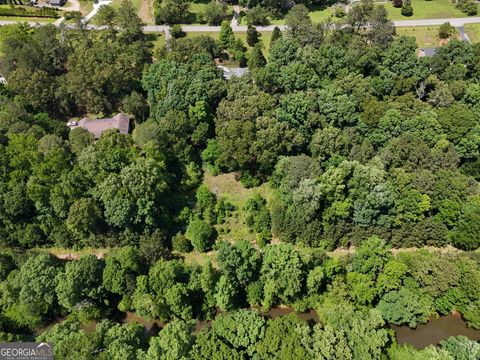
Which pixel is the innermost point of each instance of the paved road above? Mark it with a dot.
(457, 22)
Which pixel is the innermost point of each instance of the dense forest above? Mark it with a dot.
(361, 144)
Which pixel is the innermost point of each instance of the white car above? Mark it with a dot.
(72, 123)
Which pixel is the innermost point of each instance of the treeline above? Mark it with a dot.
(355, 297)
(356, 134)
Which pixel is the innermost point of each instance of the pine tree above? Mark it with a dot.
(226, 37)
(253, 36)
(257, 59)
(276, 34)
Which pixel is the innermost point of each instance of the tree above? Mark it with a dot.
(215, 12)
(80, 285)
(121, 270)
(299, 23)
(371, 256)
(174, 341)
(464, 236)
(171, 11)
(253, 36)
(276, 34)
(407, 9)
(85, 217)
(405, 306)
(282, 273)
(258, 16)
(226, 37)
(201, 234)
(32, 290)
(243, 329)
(446, 30)
(257, 60)
(239, 261)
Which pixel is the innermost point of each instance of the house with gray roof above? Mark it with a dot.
(121, 122)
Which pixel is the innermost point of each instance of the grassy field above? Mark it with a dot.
(317, 15)
(86, 6)
(473, 32)
(226, 186)
(426, 36)
(27, 19)
(422, 9)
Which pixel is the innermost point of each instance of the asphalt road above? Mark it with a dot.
(457, 22)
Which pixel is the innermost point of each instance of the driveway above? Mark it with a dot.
(96, 7)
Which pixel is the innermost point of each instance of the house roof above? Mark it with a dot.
(429, 51)
(228, 73)
(120, 121)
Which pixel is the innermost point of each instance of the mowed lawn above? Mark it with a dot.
(426, 36)
(317, 15)
(473, 32)
(422, 9)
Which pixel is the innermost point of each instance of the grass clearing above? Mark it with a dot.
(422, 9)
(228, 187)
(473, 32)
(28, 19)
(426, 36)
(86, 6)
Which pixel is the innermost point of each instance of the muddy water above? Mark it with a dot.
(434, 331)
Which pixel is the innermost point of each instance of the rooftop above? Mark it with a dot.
(120, 121)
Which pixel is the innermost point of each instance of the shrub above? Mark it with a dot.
(176, 31)
(407, 9)
(446, 30)
(201, 234)
(339, 12)
(181, 244)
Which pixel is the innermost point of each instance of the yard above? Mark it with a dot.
(422, 9)
(473, 32)
(426, 36)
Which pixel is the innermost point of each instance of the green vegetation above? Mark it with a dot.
(336, 180)
(425, 36)
(437, 9)
(473, 32)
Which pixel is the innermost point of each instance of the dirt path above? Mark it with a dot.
(146, 12)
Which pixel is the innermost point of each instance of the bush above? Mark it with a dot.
(201, 234)
(446, 30)
(407, 9)
(339, 12)
(176, 31)
(70, 15)
(181, 244)
(18, 11)
(469, 7)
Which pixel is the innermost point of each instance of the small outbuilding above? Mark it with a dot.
(121, 122)
(427, 52)
(57, 2)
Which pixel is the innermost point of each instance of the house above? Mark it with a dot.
(427, 52)
(57, 2)
(98, 126)
(228, 73)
